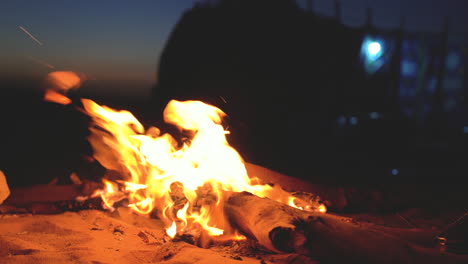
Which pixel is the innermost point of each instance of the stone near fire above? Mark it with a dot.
(4, 190)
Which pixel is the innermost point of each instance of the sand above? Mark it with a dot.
(126, 237)
(119, 237)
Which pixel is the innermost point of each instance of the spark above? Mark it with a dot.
(29, 34)
(41, 62)
(407, 221)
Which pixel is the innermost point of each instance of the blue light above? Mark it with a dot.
(408, 68)
(374, 48)
(452, 61)
(395, 172)
(374, 115)
(341, 120)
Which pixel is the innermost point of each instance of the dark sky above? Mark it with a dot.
(121, 40)
(420, 15)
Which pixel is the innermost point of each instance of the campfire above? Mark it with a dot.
(201, 190)
(188, 181)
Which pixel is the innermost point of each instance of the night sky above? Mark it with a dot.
(121, 41)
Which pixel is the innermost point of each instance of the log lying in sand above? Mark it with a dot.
(335, 196)
(324, 237)
(49, 193)
(51, 199)
(43, 193)
(272, 224)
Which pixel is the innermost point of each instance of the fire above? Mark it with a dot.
(59, 83)
(55, 97)
(185, 181)
(322, 208)
(171, 231)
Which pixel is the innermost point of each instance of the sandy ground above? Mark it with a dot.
(119, 237)
(125, 237)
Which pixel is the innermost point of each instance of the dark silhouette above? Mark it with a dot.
(285, 76)
(42, 142)
(281, 74)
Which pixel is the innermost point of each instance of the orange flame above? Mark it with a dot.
(58, 83)
(186, 182)
(55, 97)
(171, 231)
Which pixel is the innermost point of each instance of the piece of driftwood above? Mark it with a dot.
(272, 224)
(42, 193)
(325, 237)
(53, 207)
(52, 198)
(49, 193)
(333, 196)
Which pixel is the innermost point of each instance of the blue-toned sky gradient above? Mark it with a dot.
(121, 41)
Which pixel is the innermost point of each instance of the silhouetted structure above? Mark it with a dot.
(281, 74)
(296, 93)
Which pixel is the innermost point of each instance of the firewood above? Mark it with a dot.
(333, 196)
(52, 199)
(42, 193)
(50, 193)
(272, 224)
(53, 207)
(325, 237)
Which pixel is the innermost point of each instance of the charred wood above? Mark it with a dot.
(325, 237)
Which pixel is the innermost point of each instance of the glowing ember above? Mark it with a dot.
(55, 97)
(63, 80)
(58, 84)
(322, 208)
(187, 181)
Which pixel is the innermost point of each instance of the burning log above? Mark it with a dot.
(325, 237)
(333, 197)
(273, 225)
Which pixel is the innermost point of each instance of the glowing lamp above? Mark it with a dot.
(374, 48)
(372, 53)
